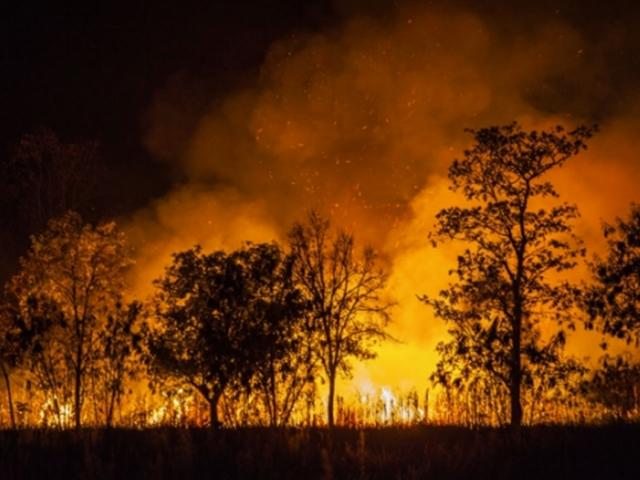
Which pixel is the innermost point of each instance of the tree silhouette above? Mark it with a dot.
(614, 385)
(116, 347)
(285, 363)
(39, 332)
(469, 375)
(613, 301)
(70, 280)
(46, 177)
(502, 290)
(10, 353)
(344, 291)
(41, 179)
(219, 319)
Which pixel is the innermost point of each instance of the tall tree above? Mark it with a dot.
(217, 316)
(79, 270)
(46, 177)
(517, 238)
(10, 353)
(345, 292)
(42, 178)
(612, 301)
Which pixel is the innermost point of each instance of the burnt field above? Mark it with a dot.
(416, 452)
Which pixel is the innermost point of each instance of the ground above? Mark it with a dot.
(415, 452)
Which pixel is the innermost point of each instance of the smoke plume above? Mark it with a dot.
(362, 121)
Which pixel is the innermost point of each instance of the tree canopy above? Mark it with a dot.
(221, 315)
(612, 301)
(517, 241)
(70, 281)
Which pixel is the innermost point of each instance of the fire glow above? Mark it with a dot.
(362, 123)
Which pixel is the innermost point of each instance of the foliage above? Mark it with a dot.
(70, 282)
(44, 177)
(118, 362)
(615, 385)
(286, 365)
(485, 398)
(222, 321)
(40, 179)
(10, 354)
(613, 300)
(516, 241)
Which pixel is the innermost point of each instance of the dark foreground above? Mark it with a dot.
(419, 452)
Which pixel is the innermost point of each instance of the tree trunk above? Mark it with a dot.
(110, 408)
(214, 422)
(79, 365)
(330, 400)
(274, 396)
(516, 376)
(77, 398)
(7, 382)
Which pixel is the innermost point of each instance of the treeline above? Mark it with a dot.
(255, 332)
(257, 321)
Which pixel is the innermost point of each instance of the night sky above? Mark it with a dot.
(89, 70)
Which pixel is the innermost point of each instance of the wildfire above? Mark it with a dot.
(363, 122)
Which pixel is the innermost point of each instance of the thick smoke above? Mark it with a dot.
(362, 121)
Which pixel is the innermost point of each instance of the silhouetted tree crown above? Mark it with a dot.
(613, 300)
(70, 282)
(345, 292)
(41, 179)
(220, 316)
(516, 239)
